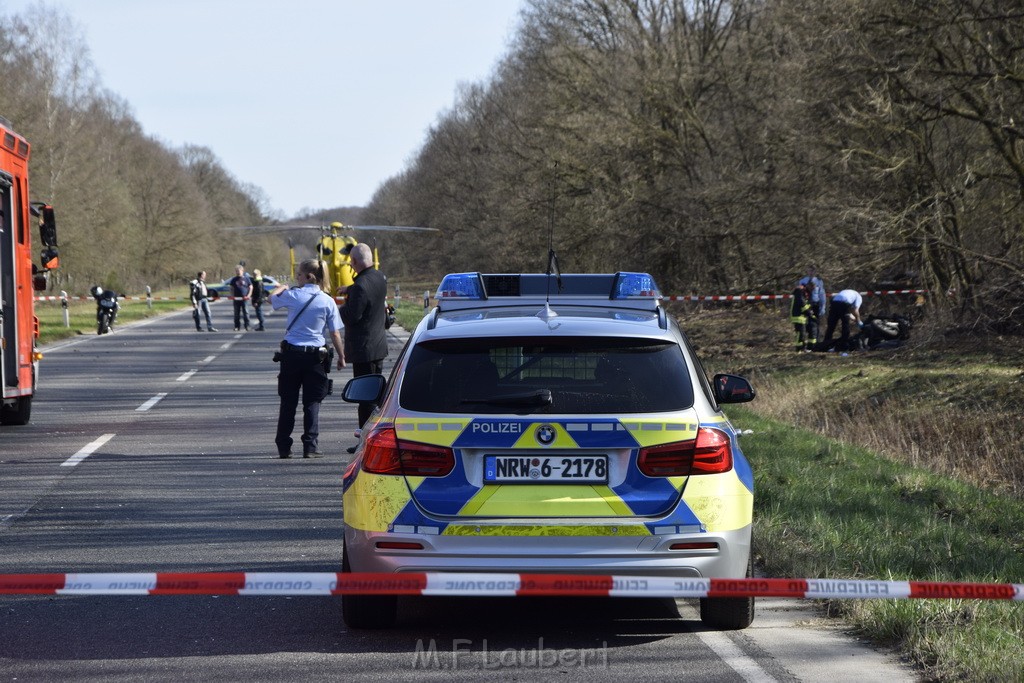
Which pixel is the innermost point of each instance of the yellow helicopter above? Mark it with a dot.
(334, 246)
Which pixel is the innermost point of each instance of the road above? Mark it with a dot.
(151, 450)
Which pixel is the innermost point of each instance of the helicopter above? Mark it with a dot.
(334, 246)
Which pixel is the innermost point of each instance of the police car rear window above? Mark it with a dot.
(592, 375)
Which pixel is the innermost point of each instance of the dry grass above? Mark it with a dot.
(947, 403)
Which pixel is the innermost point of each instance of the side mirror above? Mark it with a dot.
(39, 281)
(365, 389)
(48, 236)
(732, 389)
(47, 226)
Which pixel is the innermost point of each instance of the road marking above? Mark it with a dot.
(150, 403)
(226, 345)
(186, 375)
(208, 359)
(87, 451)
(735, 658)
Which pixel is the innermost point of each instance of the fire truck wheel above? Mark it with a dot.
(18, 413)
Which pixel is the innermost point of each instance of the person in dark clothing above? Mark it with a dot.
(364, 314)
(259, 294)
(241, 292)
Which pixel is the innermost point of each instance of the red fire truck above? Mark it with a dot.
(20, 277)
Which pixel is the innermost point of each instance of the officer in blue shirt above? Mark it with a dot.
(304, 353)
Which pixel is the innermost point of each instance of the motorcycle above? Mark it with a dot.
(106, 309)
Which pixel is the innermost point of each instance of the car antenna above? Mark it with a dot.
(547, 313)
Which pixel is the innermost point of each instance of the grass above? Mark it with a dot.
(828, 509)
(889, 464)
(409, 309)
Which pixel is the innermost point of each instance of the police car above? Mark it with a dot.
(535, 423)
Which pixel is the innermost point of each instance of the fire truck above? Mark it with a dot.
(20, 278)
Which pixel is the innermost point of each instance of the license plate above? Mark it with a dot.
(587, 469)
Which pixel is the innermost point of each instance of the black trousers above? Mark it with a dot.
(837, 313)
(370, 367)
(300, 372)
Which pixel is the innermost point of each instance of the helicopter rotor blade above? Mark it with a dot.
(328, 228)
(273, 228)
(391, 228)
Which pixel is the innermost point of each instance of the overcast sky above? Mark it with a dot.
(317, 102)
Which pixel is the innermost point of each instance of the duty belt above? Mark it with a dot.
(302, 349)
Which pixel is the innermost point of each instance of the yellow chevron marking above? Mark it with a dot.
(430, 431)
(720, 501)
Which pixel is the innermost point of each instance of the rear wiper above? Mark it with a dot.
(539, 397)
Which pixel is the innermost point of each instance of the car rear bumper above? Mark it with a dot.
(628, 555)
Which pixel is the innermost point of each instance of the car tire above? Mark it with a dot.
(729, 614)
(367, 611)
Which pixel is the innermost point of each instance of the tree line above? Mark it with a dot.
(131, 210)
(724, 145)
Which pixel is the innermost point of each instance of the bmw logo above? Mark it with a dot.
(545, 435)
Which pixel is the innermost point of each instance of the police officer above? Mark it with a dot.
(303, 351)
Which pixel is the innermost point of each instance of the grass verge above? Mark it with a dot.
(827, 509)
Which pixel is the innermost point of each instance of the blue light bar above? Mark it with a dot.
(635, 286)
(461, 286)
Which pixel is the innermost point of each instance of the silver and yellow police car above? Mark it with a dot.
(535, 423)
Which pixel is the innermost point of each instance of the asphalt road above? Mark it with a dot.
(151, 449)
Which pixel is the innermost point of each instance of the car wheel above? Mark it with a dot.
(367, 611)
(729, 614)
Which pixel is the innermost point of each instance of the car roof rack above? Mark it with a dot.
(627, 290)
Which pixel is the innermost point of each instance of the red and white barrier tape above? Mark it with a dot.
(715, 297)
(510, 585)
(773, 297)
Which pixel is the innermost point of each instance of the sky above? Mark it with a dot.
(316, 102)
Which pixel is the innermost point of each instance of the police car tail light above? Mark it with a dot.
(667, 460)
(709, 453)
(713, 453)
(385, 454)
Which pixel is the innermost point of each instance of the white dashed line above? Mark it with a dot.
(209, 359)
(87, 451)
(186, 375)
(150, 403)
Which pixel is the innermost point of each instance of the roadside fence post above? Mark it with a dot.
(398, 295)
(64, 305)
(426, 299)
(149, 297)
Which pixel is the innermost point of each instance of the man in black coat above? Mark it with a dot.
(364, 312)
